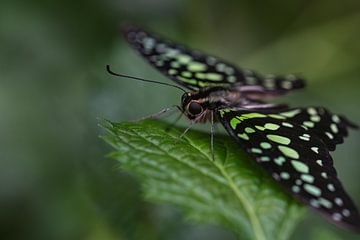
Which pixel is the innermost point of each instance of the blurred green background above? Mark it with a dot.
(55, 182)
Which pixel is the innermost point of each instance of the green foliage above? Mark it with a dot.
(231, 191)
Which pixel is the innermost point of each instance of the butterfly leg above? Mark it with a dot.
(212, 131)
(185, 131)
(174, 122)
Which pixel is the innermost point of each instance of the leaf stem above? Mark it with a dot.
(257, 228)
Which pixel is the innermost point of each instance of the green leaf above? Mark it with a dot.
(231, 191)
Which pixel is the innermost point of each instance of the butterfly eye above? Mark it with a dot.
(195, 108)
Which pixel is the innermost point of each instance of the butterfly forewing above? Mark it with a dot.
(196, 70)
(295, 157)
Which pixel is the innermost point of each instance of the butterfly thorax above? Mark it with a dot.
(198, 106)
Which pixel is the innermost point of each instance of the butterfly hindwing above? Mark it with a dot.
(196, 70)
(295, 157)
(331, 128)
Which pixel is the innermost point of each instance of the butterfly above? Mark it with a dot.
(291, 144)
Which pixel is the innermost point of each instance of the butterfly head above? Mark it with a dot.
(193, 108)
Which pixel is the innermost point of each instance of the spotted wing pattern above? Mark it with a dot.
(294, 156)
(331, 128)
(196, 70)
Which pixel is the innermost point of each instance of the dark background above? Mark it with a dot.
(55, 182)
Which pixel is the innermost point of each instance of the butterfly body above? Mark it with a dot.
(199, 105)
(292, 144)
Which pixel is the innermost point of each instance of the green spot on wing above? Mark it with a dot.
(335, 118)
(291, 113)
(264, 159)
(200, 75)
(284, 175)
(295, 189)
(309, 124)
(190, 81)
(289, 152)
(186, 74)
(172, 71)
(307, 178)
(256, 150)
(214, 77)
(261, 128)
(272, 126)
(265, 145)
(251, 115)
(315, 149)
(329, 135)
(319, 162)
(278, 139)
(331, 187)
(315, 118)
(326, 203)
(300, 166)
(184, 59)
(171, 53)
(311, 189)
(312, 111)
(334, 128)
(249, 130)
(243, 136)
(276, 116)
(234, 122)
(196, 67)
(287, 125)
(175, 64)
(279, 160)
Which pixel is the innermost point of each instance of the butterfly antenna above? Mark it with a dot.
(141, 79)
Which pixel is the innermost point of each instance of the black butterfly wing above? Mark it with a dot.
(331, 128)
(295, 157)
(196, 70)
